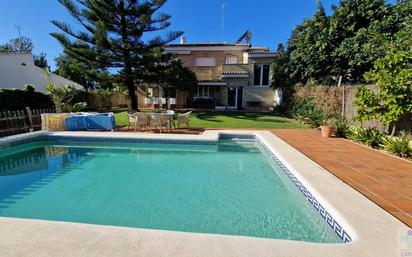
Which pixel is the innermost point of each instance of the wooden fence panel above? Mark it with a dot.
(20, 121)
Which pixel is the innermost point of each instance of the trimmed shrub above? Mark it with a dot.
(77, 107)
(341, 127)
(305, 111)
(400, 146)
(19, 99)
(327, 99)
(368, 136)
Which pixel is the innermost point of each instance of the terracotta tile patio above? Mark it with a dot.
(384, 179)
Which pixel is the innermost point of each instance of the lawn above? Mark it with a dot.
(241, 120)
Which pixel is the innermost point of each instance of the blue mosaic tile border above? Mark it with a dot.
(126, 140)
(342, 234)
(21, 141)
(131, 140)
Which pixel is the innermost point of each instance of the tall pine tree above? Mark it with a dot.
(113, 32)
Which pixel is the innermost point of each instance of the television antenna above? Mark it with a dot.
(223, 27)
(18, 28)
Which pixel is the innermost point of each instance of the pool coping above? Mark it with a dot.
(332, 193)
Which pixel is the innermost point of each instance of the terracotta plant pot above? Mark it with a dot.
(326, 131)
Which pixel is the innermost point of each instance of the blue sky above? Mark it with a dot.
(270, 21)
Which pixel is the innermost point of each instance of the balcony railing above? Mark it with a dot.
(207, 73)
(215, 73)
(235, 68)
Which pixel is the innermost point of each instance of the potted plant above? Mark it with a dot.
(326, 127)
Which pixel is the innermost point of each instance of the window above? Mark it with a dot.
(205, 61)
(207, 91)
(204, 91)
(150, 92)
(257, 72)
(232, 60)
(261, 74)
(265, 75)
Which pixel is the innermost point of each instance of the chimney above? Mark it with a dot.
(182, 40)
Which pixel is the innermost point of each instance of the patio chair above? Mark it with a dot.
(142, 120)
(183, 119)
(132, 120)
(158, 120)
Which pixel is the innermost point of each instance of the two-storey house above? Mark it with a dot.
(230, 76)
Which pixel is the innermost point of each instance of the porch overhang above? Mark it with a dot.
(211, 83)
(240, 74)
(261, 54)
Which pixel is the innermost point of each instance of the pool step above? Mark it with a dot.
(238, 146)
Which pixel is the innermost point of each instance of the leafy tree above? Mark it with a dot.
(353, 52)
(348, 42)
(5, 48)
(309, 49)
(114, 32)
(20, 45)
(355, 26)
(107, 96)
(397, 16)
(175, 76)
(280, 74)
(41, 61)
(392, 75)
(352, 15)
(356, 55)
(25, 45)
(403, 36)
(169, 73)
(60, 95)
(84, 73)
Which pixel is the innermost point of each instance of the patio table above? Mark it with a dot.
(169, 116)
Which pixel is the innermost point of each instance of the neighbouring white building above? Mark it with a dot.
(18, 70)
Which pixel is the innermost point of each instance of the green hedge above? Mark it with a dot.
(19, 99)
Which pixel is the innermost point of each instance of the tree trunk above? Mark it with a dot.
(58, 105)
(86, 89)
(167, 103)
(128, 82)
(128, 71)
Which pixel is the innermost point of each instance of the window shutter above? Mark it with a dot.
(205, 61)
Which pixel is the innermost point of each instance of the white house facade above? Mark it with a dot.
(18, 70)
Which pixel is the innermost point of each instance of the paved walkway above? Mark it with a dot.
(384, 179)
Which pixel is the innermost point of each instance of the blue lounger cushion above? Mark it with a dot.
(103, 121)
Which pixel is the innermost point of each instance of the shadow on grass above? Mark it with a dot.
(257, 117)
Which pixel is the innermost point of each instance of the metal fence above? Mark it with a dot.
(20, 121)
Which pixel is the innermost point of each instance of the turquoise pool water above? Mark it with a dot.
(232, 188)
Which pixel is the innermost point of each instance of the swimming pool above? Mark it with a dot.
(229, 187)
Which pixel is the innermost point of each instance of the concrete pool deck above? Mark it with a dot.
(374, 232)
